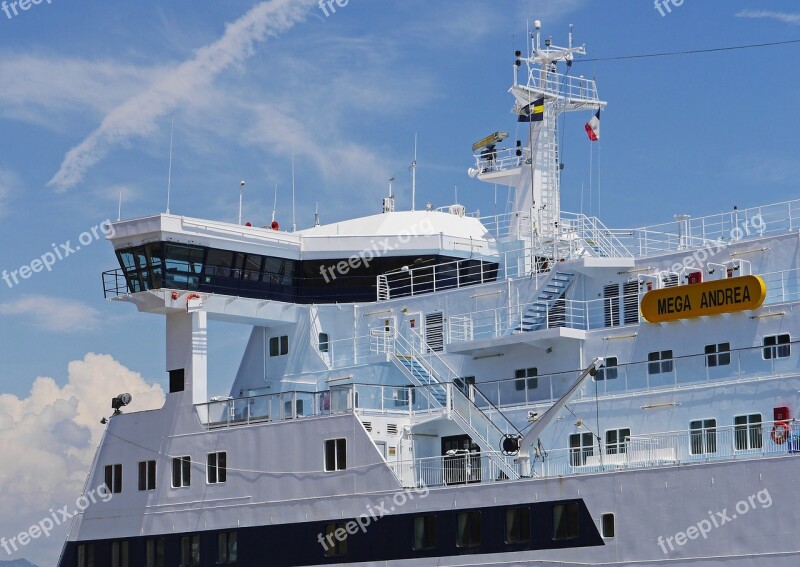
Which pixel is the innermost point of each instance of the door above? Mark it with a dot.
(411, 330)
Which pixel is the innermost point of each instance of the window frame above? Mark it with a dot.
(339, 547)
(660, 362)
(190, 545)
(429, 532)
(227, 547)
(278, 346)
(154, 552)
(718, 354)
(113, 474)
(703, 436)
(217, 464)
(609, 370)
(573, 520)
(335, 454)
(520, 534)
(181, 472)
(774, 346)
(526, 379)
(606, 530)
(120, 553)
(471, 536)
(578, 454)
(147, 475)
(617, 446)
(748, 436)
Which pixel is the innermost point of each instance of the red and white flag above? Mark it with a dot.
(593, 127)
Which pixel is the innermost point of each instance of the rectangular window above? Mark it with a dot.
(468, 525)
(718, 355)
(526, 378)
(120, 554)
(748, 432)
(609, 370)
(424, 532)
(777, 346)
(703, 433)
(155, 552)
(181, 472)
(85, 555)
(336, 538)
(609, 525)
(324, 342)
(227, 548)
(190, 551)
(113, 474)
(581, 446)
(518, 525)
(279, 346)
(335, 455)
(616, 440)
(147, 475)
(217, 469)
(659, 362)
(565, 521)
(177, 379)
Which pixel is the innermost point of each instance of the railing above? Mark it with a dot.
(684, 371)
(268, 407)
(501, 159)
(566, 86)
(428, 279)
(782, 286)
(461, 468)
(733, 442)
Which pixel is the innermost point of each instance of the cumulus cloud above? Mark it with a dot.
(55, 314)
(788, 18)
(48, 441)
(138, 115)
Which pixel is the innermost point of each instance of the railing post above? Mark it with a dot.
(449, 398)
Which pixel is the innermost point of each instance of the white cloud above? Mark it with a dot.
(48, 441)
(137, 116)
(54, 314)
(788, 18)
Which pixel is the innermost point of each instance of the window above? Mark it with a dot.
(113, 475)
(336, 538)
(777, 346)
(190, 551)
(565, 521)
(176, 380)
(703, 434)
(609, 369)
(181, 472)
(608, 525)
(155, 552)
(279, 346)
(659, 362)
(217, 469)
(147, 475)
(518, 525)
(526, 378)
(120, 554)
(335, 455)
(718, 355)
(748, 432)
(616, 440)
(468, 526)
(424, 532)
(324, 342)
(581, 445)
(227, 548)
(86, 555)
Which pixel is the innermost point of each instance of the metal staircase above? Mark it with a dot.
(417, 365)
(549, 306)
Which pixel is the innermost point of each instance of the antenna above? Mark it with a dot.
(316, 215)
(241, 192)
(414, 175)
(169, 173)
(275, 203)
(391, 180)
(294, 225)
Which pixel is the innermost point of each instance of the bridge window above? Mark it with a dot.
(518, 525)
(335, 455)
(748, 432)
(565, 521)
(659, 362)
(703, 434)
(468, 526)
(777, 346)
(424, 532)
(718, 355)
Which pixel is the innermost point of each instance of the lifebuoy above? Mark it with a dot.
(780, 432)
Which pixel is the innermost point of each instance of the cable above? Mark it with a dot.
(689, 52)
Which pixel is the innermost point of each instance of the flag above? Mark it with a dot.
(593, 127)
(533, 112)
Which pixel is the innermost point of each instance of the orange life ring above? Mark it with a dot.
(780, 432)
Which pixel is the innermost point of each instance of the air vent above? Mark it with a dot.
(367, 425)
(391, 428)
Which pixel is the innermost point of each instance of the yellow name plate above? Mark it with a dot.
(703, 299)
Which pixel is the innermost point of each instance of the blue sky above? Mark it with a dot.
(88, 91)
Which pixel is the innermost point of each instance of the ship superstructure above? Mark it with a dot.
(432, 387)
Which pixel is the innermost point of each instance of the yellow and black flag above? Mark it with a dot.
(533, 112)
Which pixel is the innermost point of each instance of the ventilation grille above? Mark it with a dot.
(391, 429)
(367, 425)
